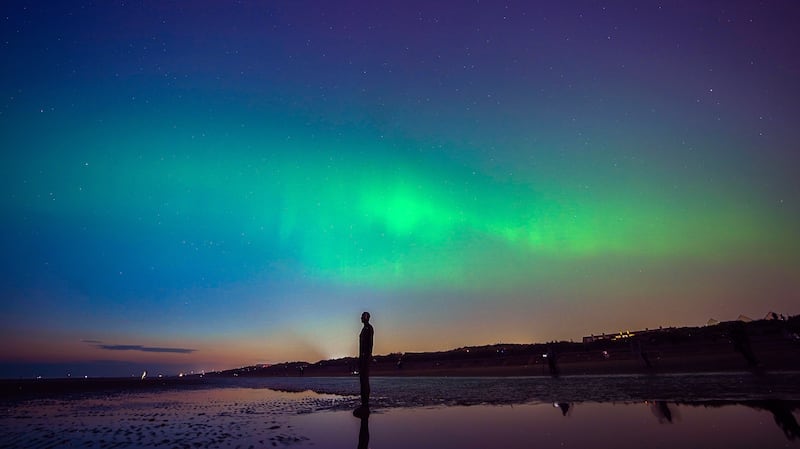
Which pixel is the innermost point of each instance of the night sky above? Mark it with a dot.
(207, 184)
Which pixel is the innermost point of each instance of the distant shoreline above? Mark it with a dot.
(758, 347)
(15, 390)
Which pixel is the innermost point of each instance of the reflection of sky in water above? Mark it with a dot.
(225, 414)
(432, 391)
(586, 425)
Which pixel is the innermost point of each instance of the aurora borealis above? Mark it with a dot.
(205, 185)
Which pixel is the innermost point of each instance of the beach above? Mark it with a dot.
(709, 410)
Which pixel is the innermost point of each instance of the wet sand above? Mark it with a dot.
(206, 418)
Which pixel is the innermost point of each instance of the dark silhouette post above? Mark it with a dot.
(364, 359)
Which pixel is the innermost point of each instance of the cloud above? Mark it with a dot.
(92, 341)
(145, 349)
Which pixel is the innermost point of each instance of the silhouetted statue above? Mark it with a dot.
(552, 359)
(637, 347)
(741, 343)
(364, 359)
(363, 432)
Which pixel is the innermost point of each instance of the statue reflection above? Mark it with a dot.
(363, 432)
(563, 406)
(662, 411)
(782, 413)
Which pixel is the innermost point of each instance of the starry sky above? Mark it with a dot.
(205, 185)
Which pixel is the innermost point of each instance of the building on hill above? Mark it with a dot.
(774, 316)
(623, 335)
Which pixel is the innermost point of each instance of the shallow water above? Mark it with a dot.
(426, 391)
(585, 425)
(707, 411)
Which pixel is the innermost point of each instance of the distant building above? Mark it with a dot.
(593, 338)
(774, 316)
(622, 335)
(613, 337)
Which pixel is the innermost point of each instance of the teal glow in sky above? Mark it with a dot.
(207, 186)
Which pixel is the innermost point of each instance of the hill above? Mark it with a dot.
(762, 345)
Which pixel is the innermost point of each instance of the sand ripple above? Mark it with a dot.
(229, 417)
